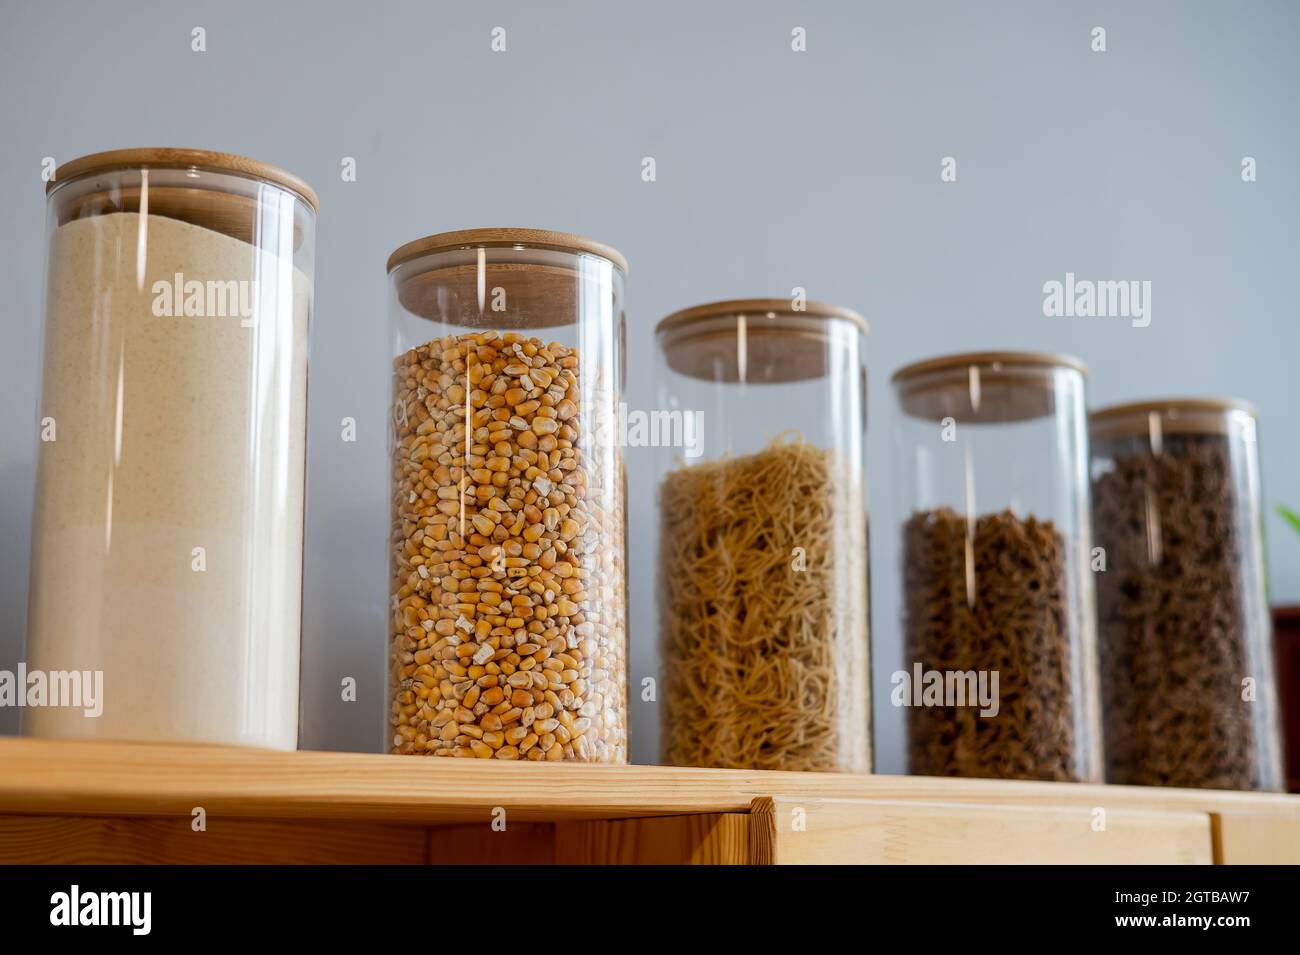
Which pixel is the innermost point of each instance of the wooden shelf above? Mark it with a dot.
(136, 802)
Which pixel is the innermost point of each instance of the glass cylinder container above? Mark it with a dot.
(1183, 620)
(167, 533)
(998, 613)
(508, 553)
(762, 568)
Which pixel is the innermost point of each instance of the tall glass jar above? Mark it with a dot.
(167, 534)
(762, 571)
(1183, 620)
(998, 613)
(508, 550)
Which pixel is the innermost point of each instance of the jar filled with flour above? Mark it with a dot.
(166, 578)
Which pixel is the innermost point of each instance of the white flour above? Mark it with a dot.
(173, 433)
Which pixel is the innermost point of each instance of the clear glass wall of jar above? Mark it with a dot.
(1183, 621)
(168, 526)
(762, 571)
(508, 551)
(998, 612)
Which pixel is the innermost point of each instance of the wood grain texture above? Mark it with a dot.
(1250, 839)
(849, 832)
(63, 777)
(40, 840)
(505, 238)
(170, 158)
(522, 843)
(234, 215)
(732, 307)
(706, 839)
(762, 831)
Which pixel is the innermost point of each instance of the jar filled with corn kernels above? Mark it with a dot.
(508, 630)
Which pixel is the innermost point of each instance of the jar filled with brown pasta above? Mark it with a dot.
(509, 614)
(1183, 621)
(999, 676)
(762, 565)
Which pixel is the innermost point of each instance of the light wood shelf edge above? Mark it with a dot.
(72, 778)
(869, 831)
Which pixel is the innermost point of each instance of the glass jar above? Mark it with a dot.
(508, 552)
(998, 615)
(762, 567)
(167, 533)
(1183, 620)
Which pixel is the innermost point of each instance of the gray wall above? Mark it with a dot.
(775, 170)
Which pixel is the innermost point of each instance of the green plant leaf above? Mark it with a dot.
(1290, 516)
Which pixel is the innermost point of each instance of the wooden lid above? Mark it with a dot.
(1173, 416)
(983, 387)
(505, 238)
(995, 359)
(757, 341)
(539, 290)
(166, 158)
(1174, 406)
(234, 215)
(771, 307)
(536, 295)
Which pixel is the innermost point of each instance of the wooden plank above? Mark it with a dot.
(762, 831)
(65, 777)
(705, 839)
(708, 839)
(521, 843)
(1257, 838)
(154, 840)
(845, 832)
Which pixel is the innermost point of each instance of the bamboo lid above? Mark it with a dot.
(519, 291)
(505, 238)
(168, 158)
(1168, 416)
(983, 387)
(753, 307)
(996, 360)
(756, 340)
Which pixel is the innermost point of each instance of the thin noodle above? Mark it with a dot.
(765, 664)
